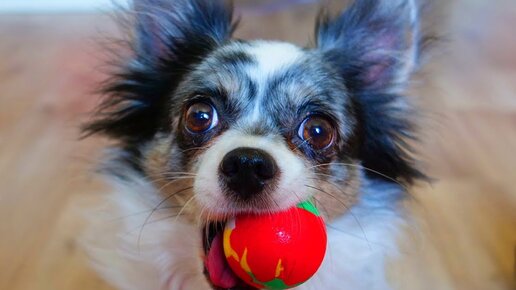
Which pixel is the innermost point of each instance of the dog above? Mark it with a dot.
(207, 127)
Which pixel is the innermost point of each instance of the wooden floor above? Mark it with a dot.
(465, 220)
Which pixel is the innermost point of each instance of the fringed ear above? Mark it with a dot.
(374, 45)
(171, 28)
(169, 37)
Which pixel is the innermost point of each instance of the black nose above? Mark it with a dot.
(247, 171)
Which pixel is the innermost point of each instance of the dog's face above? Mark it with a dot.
(227, 126)
(261, 122)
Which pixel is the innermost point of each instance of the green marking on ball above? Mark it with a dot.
(274, 284)
(309, 206)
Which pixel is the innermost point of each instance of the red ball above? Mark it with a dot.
(276, 251)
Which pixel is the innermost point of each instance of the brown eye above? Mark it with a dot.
(317, 131)
(201, 117)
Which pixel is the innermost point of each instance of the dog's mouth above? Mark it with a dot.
(216, 268)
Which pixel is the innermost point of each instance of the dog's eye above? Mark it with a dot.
(201, 117)
(318, 131)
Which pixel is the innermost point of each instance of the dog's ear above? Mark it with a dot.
(175, 28)
(168, 37)
(374, 45)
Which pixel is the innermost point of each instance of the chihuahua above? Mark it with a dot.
(207, 127)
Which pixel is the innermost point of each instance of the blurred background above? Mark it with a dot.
(464, 229)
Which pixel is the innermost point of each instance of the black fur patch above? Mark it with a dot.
(170, 38)
(370, 45)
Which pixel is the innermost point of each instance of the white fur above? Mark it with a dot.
(360, 241)
(168, 257)
(272, 57)
(164, 256)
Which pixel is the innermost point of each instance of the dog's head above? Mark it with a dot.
(257, 126)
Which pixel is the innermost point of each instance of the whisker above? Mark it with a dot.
(206, 229)
(194, 149)
(185, 205)
(173, 181)
(170, 178)
(347, 207)
(155, 208)
(318, 204)
(152, 222)
(332, 183)
(362, 167)
(142, 212)
(355, 236)
(329, 194)
(276, 203)
(173, 173)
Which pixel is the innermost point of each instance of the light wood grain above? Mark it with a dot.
(465, 222)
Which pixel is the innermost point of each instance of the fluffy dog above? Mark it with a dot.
(208, 127)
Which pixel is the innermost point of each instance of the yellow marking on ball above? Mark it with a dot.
(279, 269)
(244, 263)
(228, 250)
